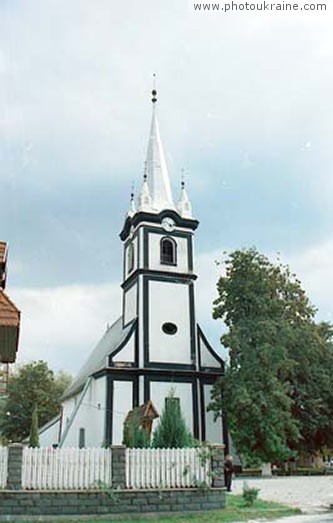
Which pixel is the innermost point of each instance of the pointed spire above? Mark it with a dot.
(184, 205)
(145, 200)
(157, 171)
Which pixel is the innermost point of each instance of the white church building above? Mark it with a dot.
(156, 345)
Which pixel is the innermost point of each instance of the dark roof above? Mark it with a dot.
(98, 359)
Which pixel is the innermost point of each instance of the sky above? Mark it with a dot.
(245, 108)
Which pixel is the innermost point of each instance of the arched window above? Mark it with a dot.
(130, 258)
(168, 251)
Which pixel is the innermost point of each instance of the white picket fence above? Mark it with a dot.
(68, 468)
(3, 466)
(166, 468)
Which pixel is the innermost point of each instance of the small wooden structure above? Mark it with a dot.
(9, 323)
(141, 417)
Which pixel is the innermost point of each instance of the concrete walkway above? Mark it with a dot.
(313, 495)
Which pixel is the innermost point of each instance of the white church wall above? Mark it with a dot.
(155, 259)
(126, 354)
(214, 433)
(159, 390)
(175, 298)
(122, 404)
(130, 308)
(90, 417)
(50, 436)
(207, 359)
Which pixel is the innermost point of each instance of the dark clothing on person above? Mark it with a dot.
(228, 471)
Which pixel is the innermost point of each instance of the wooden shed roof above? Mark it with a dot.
(145, 411)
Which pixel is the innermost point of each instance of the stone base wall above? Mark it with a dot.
(43, 503)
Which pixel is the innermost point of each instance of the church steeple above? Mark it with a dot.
(156, 169)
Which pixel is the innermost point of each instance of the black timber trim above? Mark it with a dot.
(161, 232)
(123, 343)
(182, 372)
(146, 358)
(109, 410)
(156, 218)
(162, 377)
(173, 275)
(202, 337)
(111, 378)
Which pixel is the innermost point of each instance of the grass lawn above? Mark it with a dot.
(235, 511)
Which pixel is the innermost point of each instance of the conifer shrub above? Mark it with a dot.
(34, 429)
(172, 431)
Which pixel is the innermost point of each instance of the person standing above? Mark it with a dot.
(228, 471)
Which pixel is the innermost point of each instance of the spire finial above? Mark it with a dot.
(145, 172)
(154, 92)
(132, 191)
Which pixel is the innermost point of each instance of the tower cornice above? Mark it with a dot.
(133, 221)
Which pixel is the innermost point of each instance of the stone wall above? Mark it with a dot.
(15, 502)
(41, 503)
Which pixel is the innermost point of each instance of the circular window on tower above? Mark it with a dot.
(169, 328)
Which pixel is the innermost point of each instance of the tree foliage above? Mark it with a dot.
(276, 392)
(172, 431)
(32, 386)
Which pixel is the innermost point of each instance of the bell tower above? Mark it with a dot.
(159, 286)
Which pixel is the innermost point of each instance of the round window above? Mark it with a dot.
(169, 328)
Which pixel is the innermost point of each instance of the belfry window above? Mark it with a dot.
(130, 258)
(168, 251)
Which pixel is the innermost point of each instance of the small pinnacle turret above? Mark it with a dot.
(184, 206)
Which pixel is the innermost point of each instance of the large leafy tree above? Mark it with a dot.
(32, 387)
(275, 392)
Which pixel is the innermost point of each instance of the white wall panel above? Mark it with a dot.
(50, 436)
(130, 306)
(169, 302)
(127, 352)
(207, 359)
(122, 404)
(214, 432)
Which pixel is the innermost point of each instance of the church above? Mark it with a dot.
(156, 346)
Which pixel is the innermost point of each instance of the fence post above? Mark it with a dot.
(118, 466)
(217, 465)
(15, 457)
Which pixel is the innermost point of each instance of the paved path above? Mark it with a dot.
(312, 495)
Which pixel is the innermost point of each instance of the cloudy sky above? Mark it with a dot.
(245, 107)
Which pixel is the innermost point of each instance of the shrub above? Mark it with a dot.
(250, 494)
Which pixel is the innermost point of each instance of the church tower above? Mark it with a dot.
(159, 294)
(156, 346)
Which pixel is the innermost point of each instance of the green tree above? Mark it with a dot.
(172, 431)
(274, 349)
(34, 430)
(31, 385)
